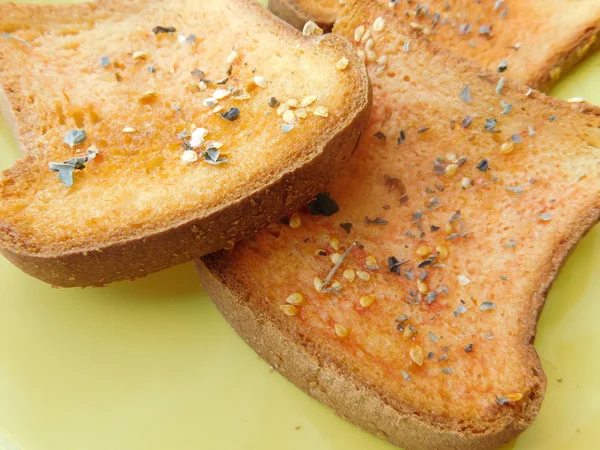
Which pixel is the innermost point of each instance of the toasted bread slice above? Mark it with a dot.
(533, 41)
(463, 199)
(160, 190)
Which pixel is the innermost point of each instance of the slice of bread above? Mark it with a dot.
(142, 80)
(463, 199)
(533, 41)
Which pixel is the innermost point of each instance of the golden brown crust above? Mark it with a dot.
(296, 15)
(567, 51)
(291, 187)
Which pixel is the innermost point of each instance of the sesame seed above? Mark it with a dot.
(340, 330)
(189, 156)
(336, 285)
(366, 36)
(576, 100)
(308, 100)
(197, 138)
(371, 263)
(301, 113)
(448, 228)
(442, 252)
(451, 169)
(423, 250)
(318, 284)
(295, 299)
(422, 287)
(310, 28)
(335, 258)
(349, 274)
(514, 397)
(282, 108)
(358, 33)
(382, 60)
(202, 86)
(366, 300)
(416, 354)
(342, 64)
(361, 54)
(139, 55)
(371, 55)
(292, 102)
(369, 45)
(463, 280)
(295, 220)
(221, 93)
(507, 147)
(129, 130)
(289, 310)
(335, 243)
(148, 95)
(232, 56)
(321, 111)
(408, 332)
(365, 276)
(465, 183)
(289, 116)
(260, 81)
(378, 24)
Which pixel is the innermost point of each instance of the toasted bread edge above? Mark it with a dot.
(151, 252)
(292, 13)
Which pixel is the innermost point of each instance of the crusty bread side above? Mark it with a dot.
(518, 220)
(154, 220)
(552, 38)
(297, 13)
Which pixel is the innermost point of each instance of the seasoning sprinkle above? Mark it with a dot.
(376, 221)
(402, 137)
(310, 28)
(340, 330)
(545, 216)
(446, 370)
(231, 115)
(467, 121)
(483, 165)
(379, 135)
(405, 375)
(342, 63)
(502, 66)
(490, 124)
(394, 264)
(347, 226)
(75, 137)
(422, 130)
(289, 310)
(104, 61)
(416, 354)
(323, 205)
(485, 306)
(465, 94)
(327, 280)
(432, 336)
(500, 86)
(67, 168)
(159, 30)
(469, 348)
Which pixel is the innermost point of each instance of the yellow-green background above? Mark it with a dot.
(151, 364)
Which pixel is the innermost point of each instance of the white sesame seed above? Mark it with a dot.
(260, 81)
(218, 109)
(181, 39)
(301, 112)
(335, 258)
(378, 24)
(340, 330)
(576, 100)
(232, 56)
(361, 54)
(311, 28)
(349, 274)
(189, 156)
(308, 100)
(371, 263)
(369, 45)
(289, 310)
(463, 280)
(198, 136)
(336, 285)
(366, 36)
(129, 130)
(366, 300)
(342, 63)
(292, 102)
(289, 116)
(321, 111)
(282, 108)
(358, 33)
(382, 60)
(202, 86)
(139, 55)
(465, 183)
(318, 283)
(371, 55)
(221, 93)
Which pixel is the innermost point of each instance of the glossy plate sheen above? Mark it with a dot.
(151, 365)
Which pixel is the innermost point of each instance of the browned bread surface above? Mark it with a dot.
(466, 193)
(539, 40)
(139, 91)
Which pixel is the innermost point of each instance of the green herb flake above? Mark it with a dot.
(75, 137)
(405, 375)
(485, 306)
(506, 108)
(433, 337)
(67, 168)
(465, 94)
(212, 156)
(500, 86)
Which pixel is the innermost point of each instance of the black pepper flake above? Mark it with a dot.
(379, 135)
(347, 226)
(273, 102)
(231, 115)
(422, 130)
(502, 66)
(430, 355)
(439, 168)
(323, 205)
(483, 165)
(158, 29)
(425, 263)
(467, 121)
(376, 221)
(439, 187)
(461, 161)
(394, 264)
(434, 228)
(469, 348)
(322, 253)
(402, 137)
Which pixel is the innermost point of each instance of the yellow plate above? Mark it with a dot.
(151, 364)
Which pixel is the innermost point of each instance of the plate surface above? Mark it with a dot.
(151, 365)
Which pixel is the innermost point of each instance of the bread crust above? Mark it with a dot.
(567, 55)
(153, 251)
(291, 12)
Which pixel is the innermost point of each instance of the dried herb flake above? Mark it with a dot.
(323, 205)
